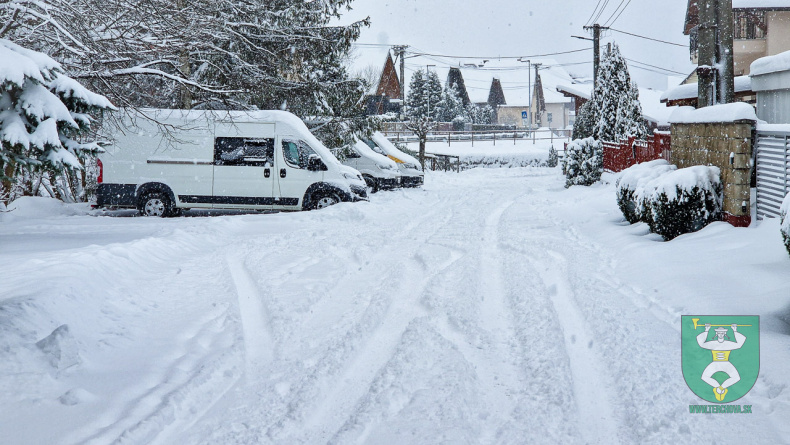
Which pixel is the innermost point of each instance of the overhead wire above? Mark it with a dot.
(498, 57)
(654, 66)
(648, 38)
(618, 15)
(593, 13)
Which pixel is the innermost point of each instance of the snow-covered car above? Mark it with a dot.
(412, 175)
(261, 160)
(379, 171)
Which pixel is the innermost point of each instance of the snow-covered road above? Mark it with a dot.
(490, 307)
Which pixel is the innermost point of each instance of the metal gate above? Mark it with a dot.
(773, 172)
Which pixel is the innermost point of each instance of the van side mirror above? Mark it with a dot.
(314, 163)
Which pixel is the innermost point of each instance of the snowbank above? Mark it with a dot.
(29, 207)
(718, 113)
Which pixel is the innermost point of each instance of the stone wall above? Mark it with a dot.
(724, 145)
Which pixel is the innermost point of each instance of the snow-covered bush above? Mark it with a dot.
(631, 188)
(553, 159)
(583, 162)
(684, 201)
(785, 221)
(44, 119)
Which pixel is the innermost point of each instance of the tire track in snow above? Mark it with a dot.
(255, 320)
(501, 380)
(591, 387)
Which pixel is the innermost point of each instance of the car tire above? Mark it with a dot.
(371, 182)
(325, 200)
(155, 203)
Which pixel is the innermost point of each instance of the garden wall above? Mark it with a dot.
(727, 146)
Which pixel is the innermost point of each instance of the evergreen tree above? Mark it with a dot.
(44, 119)
(585, 121)
(617, 111)
(452, 105)
(425, 96)
(480, 115)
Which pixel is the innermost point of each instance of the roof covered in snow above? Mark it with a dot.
(743, 84)
(771, 64)
(738, 111)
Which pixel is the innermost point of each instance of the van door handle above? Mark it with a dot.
(282, 172)
(267, 173)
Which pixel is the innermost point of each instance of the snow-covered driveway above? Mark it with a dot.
(492, 307)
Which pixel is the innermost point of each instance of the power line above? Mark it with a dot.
(593, 13)
(649, 38)
(618, 15)
(653, 66)
(603, 8)
(498, 57)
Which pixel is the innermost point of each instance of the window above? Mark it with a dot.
(749, 25)
(244, 151)
(296, 153)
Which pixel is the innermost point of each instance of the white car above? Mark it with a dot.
(412, 175)
(260, 160)
(379, 171)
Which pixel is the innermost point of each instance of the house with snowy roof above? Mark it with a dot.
(509, 88)
(386, 96)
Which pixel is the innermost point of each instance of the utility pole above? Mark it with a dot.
(536, 119)
(400, 51)
(715, 61)
(596, 29)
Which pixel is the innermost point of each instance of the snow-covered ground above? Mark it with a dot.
(489, 307)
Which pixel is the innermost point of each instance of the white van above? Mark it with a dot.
(379, 171)
(259, 160)
(412, 175)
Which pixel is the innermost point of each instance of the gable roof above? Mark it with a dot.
(454, 76)
(388, 82)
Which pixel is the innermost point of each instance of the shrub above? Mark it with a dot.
(631, 188)
(785, 222)
(553, 159)
(684, 200)
(583, 162)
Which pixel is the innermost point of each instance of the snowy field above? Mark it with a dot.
(489, 307)
(503, 153)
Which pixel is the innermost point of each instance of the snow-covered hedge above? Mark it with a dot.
(786, 222)
(631, 188)
(583, 162)
(684, 201)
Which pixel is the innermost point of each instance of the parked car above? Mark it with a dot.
(263, 160)
(378, 171)
(412, 175)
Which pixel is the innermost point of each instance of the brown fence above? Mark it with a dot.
(617, 156)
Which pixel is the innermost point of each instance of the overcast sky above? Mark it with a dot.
(525, 28)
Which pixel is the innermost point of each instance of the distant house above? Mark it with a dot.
(386, 98)
(509, 86)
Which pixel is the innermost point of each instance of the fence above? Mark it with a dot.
(617, 156)
(773, 171)
(472, 136)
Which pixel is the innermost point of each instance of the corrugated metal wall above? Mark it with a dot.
(773, 172)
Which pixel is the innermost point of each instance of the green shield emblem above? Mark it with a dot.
(720, 364)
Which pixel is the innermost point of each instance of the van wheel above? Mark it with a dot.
(325, 201)
(155, 204)
(371, 183)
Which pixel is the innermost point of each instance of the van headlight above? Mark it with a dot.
(352, 176)
(384, 167)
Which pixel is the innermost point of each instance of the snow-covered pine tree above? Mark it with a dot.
(425, 96)
(480, 115)
(452, 106)
(44, 116)
(617, 111)
(585, 122)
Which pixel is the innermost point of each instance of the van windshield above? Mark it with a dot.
(373, 146)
